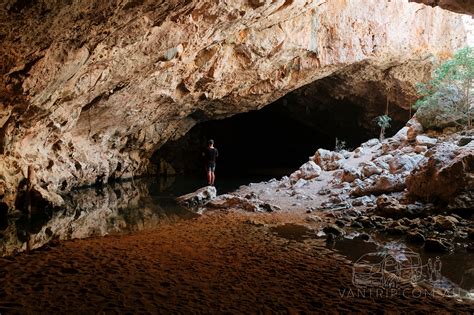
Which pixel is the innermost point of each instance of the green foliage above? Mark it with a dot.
(340, 145)
(447, 98)
(383, 121)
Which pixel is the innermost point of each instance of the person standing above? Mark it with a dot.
(210, 154)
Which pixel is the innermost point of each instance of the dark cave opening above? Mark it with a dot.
(273, 141)
(260, 141)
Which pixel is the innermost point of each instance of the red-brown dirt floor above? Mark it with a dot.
(221, 262)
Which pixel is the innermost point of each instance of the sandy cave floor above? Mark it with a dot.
(221, 262)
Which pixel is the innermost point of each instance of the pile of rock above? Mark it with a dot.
(307, 171)
(420, 166)
(397, 186)
(409, 166)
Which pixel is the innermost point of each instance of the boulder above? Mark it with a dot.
(385, 158)
(404, 163)
(362, 237)
(382, 161)
(386, 148)
(382, 184)
(267, 207)
(371, 143)
(459, 6)
(313, 218)
(294, 176)
(350, 174)
(389, 207)
(328, 160)
(338, 199)
(369, 169)
(447, 173)
(416, 209)
(310, 170)
(421, 149)
(3, 188)
(231, 201)
(400, 136)
(366, 222)
(414, 129)
(199, 197)
(444, 223)
(362, 201)
(426, 141)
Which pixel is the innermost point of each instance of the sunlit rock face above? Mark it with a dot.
(90, 89)
(459, 6)
(447, 174)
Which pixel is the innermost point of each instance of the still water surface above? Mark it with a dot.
(456, 268)
(117, 208)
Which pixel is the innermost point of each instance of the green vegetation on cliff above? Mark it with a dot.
(447, 99)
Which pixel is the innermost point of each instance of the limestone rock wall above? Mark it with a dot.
(459, 6)
(90, 89)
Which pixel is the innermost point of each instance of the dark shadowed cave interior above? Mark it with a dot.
(277, 139)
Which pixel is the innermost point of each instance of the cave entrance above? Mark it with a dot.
(262, 142)
(277, 139)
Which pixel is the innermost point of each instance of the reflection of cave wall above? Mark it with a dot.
(285, 133)
(121, 207)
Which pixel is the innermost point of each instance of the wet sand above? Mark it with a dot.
(221, 262)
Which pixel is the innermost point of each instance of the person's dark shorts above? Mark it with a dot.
(211, 167)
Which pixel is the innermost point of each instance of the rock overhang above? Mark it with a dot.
(96, 89)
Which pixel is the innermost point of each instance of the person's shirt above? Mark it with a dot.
(211, 154)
